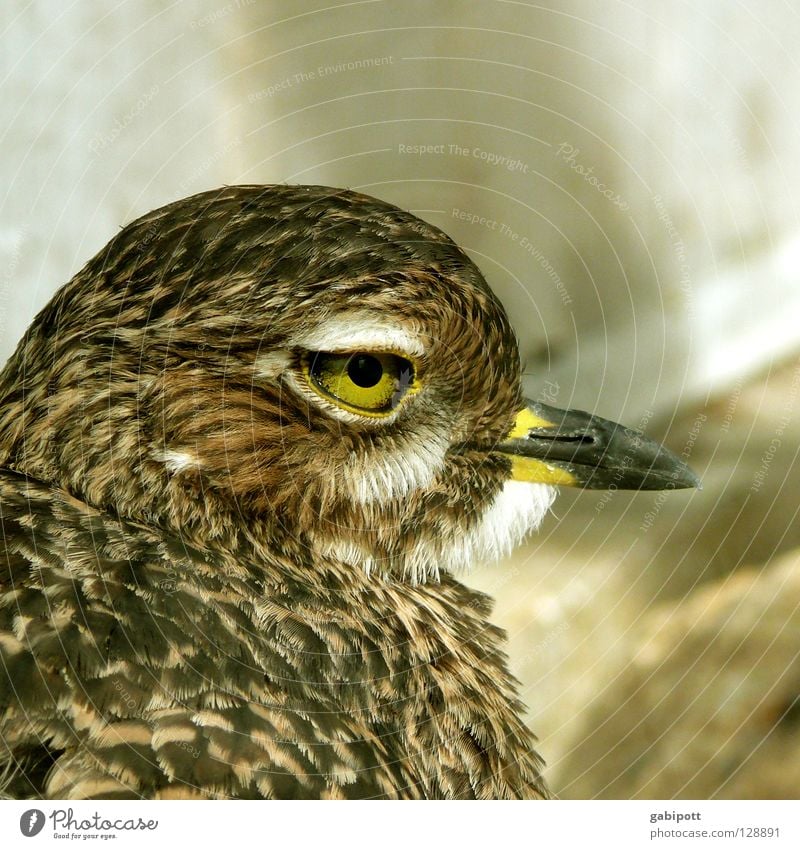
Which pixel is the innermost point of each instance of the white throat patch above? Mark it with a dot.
(517, 510)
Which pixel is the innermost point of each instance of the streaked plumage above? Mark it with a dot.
(218, 579)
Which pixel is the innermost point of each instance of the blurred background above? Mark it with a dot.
(625, 174)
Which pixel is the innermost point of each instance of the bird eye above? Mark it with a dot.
(362, 382)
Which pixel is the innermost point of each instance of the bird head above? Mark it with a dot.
(310, 366)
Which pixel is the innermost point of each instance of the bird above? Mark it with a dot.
(245, 453)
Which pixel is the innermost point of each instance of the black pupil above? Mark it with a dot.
(364, 370)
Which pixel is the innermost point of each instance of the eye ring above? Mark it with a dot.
(368, 383)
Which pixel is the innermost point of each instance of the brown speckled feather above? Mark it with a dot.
(206, 629)
(135, 665)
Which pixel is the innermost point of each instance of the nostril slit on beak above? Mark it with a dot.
(576, 439)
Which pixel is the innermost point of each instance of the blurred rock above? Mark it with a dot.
(708, 705)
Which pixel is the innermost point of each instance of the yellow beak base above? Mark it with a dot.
(573, 448)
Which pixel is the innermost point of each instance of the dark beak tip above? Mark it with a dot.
(692, 480)
(683, 478)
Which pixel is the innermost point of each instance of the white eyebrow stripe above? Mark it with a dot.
(360, 331)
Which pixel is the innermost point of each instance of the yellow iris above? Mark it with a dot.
(363, 382)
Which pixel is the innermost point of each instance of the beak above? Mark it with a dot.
(573, 448)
